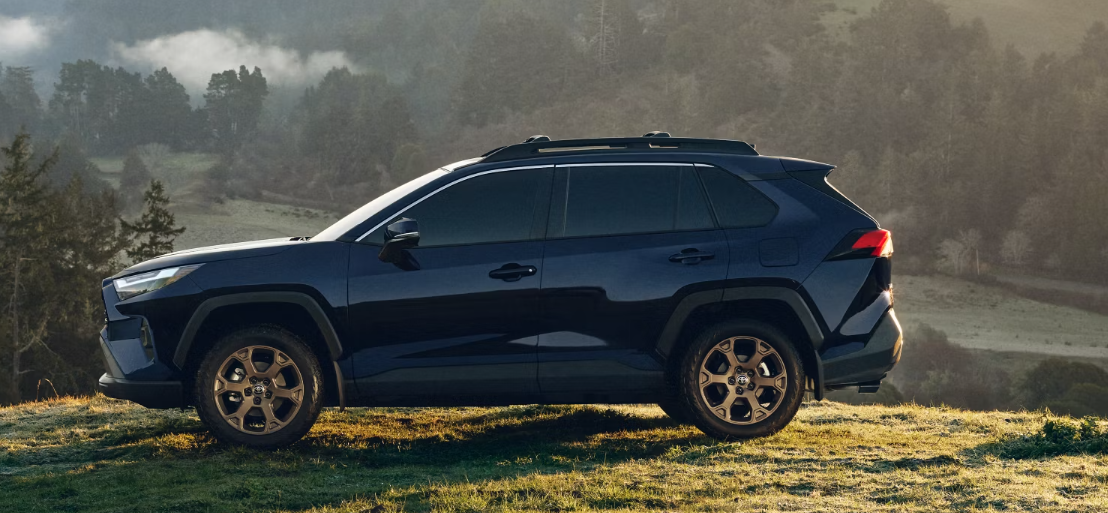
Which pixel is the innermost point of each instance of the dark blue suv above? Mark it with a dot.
(692, 273)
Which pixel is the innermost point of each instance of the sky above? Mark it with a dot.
(36, 35)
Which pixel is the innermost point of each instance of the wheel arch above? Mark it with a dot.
(296, 311)
(780, 307)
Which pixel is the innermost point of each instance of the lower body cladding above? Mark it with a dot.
(864, 363)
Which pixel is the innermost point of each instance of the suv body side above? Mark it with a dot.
(449, 333)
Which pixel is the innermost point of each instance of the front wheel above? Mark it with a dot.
(741, 379)
(260, 387)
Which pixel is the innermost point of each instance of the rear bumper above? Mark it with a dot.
(871, 362)
(151, 394)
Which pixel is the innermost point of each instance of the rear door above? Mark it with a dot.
(626, 243)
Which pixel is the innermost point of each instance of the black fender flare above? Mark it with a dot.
(676, 323)
(308, 303)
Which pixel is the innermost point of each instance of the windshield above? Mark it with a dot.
(368, 210)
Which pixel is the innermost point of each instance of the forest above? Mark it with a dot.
(974, 154)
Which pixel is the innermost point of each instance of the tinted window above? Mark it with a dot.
(498, 207)
(737, 203)
(692, 209)
(613, 200)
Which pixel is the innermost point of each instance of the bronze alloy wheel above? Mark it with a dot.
(743, 380)
(258, 390)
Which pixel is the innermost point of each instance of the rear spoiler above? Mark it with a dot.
(814, 174)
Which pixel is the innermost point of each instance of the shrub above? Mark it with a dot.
(1058, 437)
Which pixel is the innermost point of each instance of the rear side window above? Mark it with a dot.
(737, 203)
(620, 200)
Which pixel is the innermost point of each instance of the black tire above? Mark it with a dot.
(248, 341)
(739, 424)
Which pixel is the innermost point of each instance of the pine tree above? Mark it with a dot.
(154, 233)
(24, 231)
(132, 179)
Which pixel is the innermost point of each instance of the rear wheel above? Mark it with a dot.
(741, 379)
(259, 387)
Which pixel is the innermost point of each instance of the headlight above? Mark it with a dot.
(132, 286)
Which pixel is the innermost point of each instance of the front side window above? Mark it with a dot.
(497, 207)
(628, 199)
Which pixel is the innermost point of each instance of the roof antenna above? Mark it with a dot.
(657, 133)
(537, 139)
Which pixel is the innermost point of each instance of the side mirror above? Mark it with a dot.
(400, 235)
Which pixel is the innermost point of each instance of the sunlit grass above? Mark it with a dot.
(104, 455)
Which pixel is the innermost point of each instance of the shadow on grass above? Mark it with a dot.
(174, 464)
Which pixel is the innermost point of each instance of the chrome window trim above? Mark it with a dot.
(609, 164)
(444, 187)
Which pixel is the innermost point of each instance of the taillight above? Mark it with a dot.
(879, 243)
(864, 243)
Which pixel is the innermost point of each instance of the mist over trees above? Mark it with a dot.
(975, 155)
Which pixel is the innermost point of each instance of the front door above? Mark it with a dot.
(626, 243)
(456, 324)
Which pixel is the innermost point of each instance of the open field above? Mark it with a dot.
(985, 317)
(1033, 26)
(241, 220)
(105, 455)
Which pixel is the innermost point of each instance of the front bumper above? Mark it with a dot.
(870, 362)
(151, 394)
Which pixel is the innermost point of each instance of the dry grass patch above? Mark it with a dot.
(104, 455)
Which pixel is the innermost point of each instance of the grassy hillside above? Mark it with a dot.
(232, 220)
(1033, 26)
(106, 455)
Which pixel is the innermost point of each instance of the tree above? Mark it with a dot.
(234, 105)
(1015, 248)
(18, 88)
(134, 177)
(155, 231)
(23, 227)
(169, 113)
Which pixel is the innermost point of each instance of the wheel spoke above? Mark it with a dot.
(222, 385)
(280, 361)
(272, 423)
(761, 351)
(236, 418)
(295, 394)
(727, 349)
(711, 378)
(778, 382)
(723, 410)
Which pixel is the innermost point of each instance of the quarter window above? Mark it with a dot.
(737, 204)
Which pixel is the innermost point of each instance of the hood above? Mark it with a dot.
(214, 253)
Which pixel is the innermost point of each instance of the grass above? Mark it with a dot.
(104, 455)
(1033, 26)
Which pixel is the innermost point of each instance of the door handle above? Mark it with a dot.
(513, 272)
(691, 256)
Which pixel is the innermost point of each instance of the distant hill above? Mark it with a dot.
(1034, 26)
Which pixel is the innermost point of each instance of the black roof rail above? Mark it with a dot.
(547, 148)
